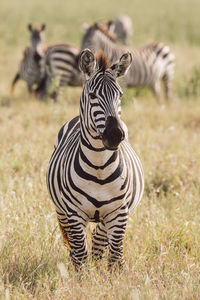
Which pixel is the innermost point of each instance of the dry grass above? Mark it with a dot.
(162, 242)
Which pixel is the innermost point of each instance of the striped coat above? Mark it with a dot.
(60, 66)
(30, 65)
(94, 175)
(152, 63)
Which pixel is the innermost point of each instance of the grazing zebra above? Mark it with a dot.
(29, 68)
(94, 175)
(59, 64)
(152, 63)
(121, 27)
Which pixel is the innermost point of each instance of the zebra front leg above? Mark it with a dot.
(99, 241)
(116, 226)
(74, 234)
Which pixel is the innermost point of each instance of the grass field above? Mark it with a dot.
(162, 242)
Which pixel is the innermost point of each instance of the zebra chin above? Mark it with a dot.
(113, 134)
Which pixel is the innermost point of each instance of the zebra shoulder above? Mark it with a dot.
(65, 130)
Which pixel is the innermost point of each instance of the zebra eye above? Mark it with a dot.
(92, 95)
(121, 95)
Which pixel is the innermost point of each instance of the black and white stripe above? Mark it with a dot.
(94, 175)
(152, 63)
(60, 66)
(30, 68)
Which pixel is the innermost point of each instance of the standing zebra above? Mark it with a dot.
(60, 61)
(121, 27)
(29, 68)
(152, 63)
(94, 175)
(59, 64)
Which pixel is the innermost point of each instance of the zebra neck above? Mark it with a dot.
(92, 150)
(97, 158)
(112, 50)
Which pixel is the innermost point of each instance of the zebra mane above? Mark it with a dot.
(102, 60)
(36, 27)
(103, 27)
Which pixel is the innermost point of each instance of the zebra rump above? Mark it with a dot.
(60, 66)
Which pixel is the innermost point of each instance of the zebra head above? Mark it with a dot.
(100, 102)
(37, 38)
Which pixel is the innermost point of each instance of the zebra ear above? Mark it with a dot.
(29, 26)
(87, 62)
(121, 67)
(111, 26)
(85, 26)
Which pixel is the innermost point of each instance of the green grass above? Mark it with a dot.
(162, 242)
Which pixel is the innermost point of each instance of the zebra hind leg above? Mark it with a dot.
(155, 87)
(64, 234)
(99, 241)
(167, 86)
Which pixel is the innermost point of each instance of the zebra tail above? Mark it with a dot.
(64, 235)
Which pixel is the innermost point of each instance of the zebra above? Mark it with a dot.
(94, 175)
(59, 64)
(151, 63)
(29, 68)
(121, 27)
(60, 61)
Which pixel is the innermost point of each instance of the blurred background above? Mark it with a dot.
(173, 23)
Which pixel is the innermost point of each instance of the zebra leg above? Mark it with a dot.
(54, 95)
(30, 88)
(99, 241)
(167, 86)
(155, 87)
(16, 78)
(74, 233)
(116, 226)
(43, 87)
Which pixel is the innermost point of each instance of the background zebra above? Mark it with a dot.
(29, 68)
(121, 27)
(94, 175)
(60, 61)
(151, 63)
(60, 68)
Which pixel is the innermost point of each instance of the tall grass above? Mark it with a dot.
(162, 240)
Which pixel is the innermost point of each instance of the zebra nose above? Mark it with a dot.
(101, 131)
(113, 134)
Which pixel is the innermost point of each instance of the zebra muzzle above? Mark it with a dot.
(113, 134)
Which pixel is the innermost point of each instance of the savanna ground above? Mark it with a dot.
(162, 242)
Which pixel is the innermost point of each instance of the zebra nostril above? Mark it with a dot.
(101, 131)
